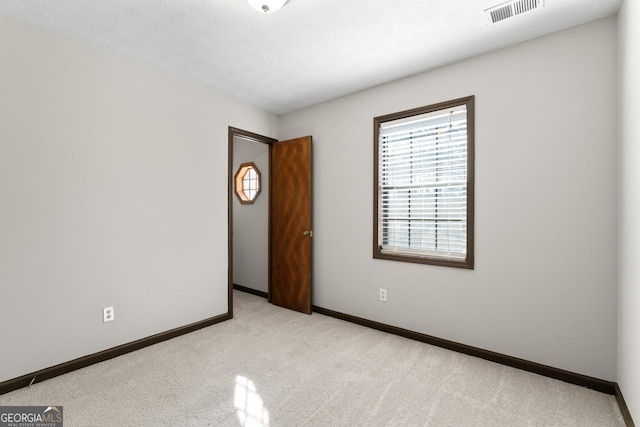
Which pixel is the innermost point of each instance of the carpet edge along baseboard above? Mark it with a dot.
(608, 387)
(603, 386)
(101, 356)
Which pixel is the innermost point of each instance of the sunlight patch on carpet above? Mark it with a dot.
(249, 406)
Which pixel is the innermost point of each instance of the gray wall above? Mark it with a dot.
(113, 189)
(250, 222)
(544, 286)
(629, 229)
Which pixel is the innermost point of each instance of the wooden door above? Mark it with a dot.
(290, 224)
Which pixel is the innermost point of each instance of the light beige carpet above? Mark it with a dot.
(274, 367)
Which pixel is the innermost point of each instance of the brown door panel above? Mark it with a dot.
(290, 252)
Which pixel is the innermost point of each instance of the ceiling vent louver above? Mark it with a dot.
(501, 13)
(507, 10)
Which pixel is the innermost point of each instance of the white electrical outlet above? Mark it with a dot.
(108, 314)
(383, 294)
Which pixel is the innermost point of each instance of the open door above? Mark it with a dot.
(290, 224)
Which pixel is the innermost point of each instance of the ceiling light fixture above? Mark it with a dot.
(267, 6)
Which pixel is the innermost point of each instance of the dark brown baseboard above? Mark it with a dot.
(250, 291)
(597, 384)
(537, 368)
(608, 387)
(626, 415)
(101, 356)
(603, 386)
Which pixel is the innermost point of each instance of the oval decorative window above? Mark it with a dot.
(247, 183)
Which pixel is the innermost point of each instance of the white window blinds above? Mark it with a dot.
(422, 185)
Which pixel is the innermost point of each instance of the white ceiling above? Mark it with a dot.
(308, 52)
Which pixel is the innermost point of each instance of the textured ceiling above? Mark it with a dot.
(308, 52)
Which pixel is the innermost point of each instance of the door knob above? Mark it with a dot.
(306, 233)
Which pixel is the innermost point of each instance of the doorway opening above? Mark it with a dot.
(248, 232)
(270, 237)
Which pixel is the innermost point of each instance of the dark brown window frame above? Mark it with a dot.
(238, 179)
(468, 262)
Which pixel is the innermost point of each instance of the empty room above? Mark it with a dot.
(319, 212)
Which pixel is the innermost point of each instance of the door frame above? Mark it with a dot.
(232, 133)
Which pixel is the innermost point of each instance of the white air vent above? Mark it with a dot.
(507, 10)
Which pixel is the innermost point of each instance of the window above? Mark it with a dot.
(247, 182)
(423, 174)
